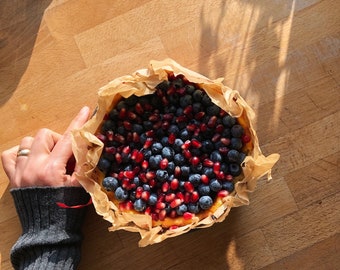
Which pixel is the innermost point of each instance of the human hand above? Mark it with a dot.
(49, 156)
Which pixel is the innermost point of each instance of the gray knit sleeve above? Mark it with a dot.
(51, 236)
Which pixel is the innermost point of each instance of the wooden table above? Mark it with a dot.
(282, 56)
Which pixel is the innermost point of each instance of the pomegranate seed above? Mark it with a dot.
(154, 217)
(148, 210)
(168, 116)
(212, 121)
(164, 163)
(126, 183)
(139, 108)
(225, 141)
(216, 167)
(229, 177)
(187, 197)
(180, 196)
(220, 175)
(122, 113)
(162, 214)
(171, 138)
(188, 215)
(174, 184)
(191, 127)
(245, 138)
(145, 195)
(145, 164)
(203, 127)
(177, 171)
(219, 128)
(173, 214)
(187, 110)
(160, 205)
(154, 117)
(208, 163)
(118, 158)
(173, 227)
(188, 186)
(101, 137)
(135, 137)
(187, 154)
(194, 196)
(110, 135)
(152, 183)
(181, 119)
(175, 203)
(195, 161)
(127, 125)
(205, 179)
(148, 143)
(196, 143)
(129, 174)
(165, 187)
(199, 115)
(119, 138)
(150, 175)
(216, 137)
(150, 133)
(222, 193)
(110, 150)
(170, 197)
(186, 145)
(139, 192)
(157, 125)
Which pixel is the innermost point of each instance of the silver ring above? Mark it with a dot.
(23, 152)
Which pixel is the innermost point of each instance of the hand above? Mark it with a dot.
(50, 154)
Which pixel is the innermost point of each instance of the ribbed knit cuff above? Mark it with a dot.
(51, 236)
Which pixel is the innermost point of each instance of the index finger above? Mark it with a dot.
(63, 148)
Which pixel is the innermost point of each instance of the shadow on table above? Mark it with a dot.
(19, 24)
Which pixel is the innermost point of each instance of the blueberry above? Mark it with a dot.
(162, 175)
(198, 95)
(164, 85)
(120, 105)
(139, 205)
(108, 125)
(152, 199)
(178, 145)
(114, 114)
(215, 156)
(178, 83)
(213, 110)
(237, 131)
(121, 194)
(209, 172)
(181, 209)
(171, 167)
(132, 196)
(233, 156)
(137, 128)
(236, 143)
(193, 208)
(229, 186)
(110, 183)
(131, 100)
(147, 125)
(104, 164)
(195, 179)
(235, 169)
(165, 141)
(168, 153)
(207, 146)
(206, 101)
(136, 181)
(146, 187)
(156, 148)
(205, 202)
(185, 171)
(173, 129)
(147, 153)
(196, 169)
(190, 89)
(179, 159)
(184, 134)
(154, 161)
(185, 101)
(228, 121)
(204, 189)
(197, 107)
(215, 185)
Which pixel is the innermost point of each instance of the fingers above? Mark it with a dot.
(8, 159)
(63, 149)
(44, 142)
(26, 143)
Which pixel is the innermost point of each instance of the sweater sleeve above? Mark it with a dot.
(51, 235)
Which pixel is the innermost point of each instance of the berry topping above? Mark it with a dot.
(171, 153)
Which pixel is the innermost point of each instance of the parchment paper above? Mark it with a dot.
(87, 149)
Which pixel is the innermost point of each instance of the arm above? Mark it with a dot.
(40, 177)
(51, 237)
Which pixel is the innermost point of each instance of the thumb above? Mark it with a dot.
(62, 151)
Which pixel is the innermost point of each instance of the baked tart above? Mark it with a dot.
(168, 150)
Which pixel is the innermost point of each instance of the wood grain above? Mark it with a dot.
(282, 56)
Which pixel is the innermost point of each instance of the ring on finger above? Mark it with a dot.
(23, 152)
